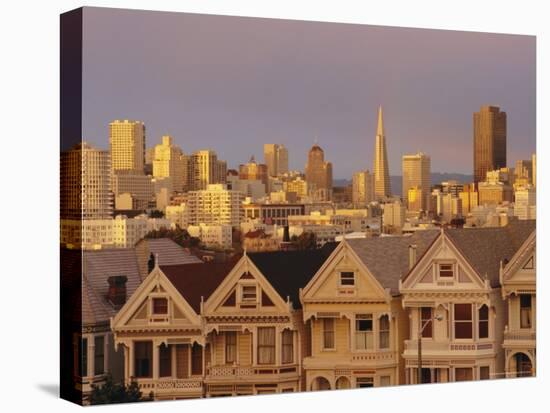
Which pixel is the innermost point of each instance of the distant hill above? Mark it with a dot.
(397, 181)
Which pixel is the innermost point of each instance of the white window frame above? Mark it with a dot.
(244, 285)
(373, 332)
(438, 271)
(347, 285)
(323, 334)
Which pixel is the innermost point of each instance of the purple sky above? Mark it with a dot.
(233, 84)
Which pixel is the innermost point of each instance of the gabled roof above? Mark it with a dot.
(387, 258)
(288, 271)
(194, 281)
(170, 253)
(485, 248)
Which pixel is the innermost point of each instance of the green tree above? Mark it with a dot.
(111, 392)
(305, 241)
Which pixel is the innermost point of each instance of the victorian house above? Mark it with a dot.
(518, 279)
(453, 297)
(353, 314)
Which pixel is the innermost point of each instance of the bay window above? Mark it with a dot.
(266, 345)
(463, 324)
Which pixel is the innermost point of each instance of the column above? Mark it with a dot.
(255, 346)
(173, 366)
(106, 352)
(278, 346)
(155, 360)
(126, 350)
(131, 370)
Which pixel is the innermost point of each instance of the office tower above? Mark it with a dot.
(318, 174)
(169, 161)
(206, 169)
(254, 171)
(276, 158)
(127, 146)
(416, 199)
(86, 184)
(393, 218)
(382, 187)
(416, 174)
(362, 192)
(215, 205)
(469, 197)
(525, 203)
(489, 141)
(524, 171)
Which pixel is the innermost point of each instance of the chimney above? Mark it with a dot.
(412, 255)
(117, 290)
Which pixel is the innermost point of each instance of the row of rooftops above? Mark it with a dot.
(387, 258)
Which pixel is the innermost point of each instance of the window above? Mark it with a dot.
(160, 306)
(525, 310)
(230, 347)
(266, 345)
(99, 355)
(384, 325)
(196, 359)
(483, 314)
(143, 351)
(363, 332)
(426, 319)
(463, 320)
(328, 333)
(484, 373)
(248, 293)
(84, 357)
(347, 278)
(463, 374)
(288, 346)
(365, 382)
(446, 270)
(165, 361)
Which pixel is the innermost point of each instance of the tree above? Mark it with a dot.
(178, 235)
(111, 392)
(305, 241)
(156, 214)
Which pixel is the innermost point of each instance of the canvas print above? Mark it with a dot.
(258, 206)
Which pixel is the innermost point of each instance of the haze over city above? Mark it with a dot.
(233, 84)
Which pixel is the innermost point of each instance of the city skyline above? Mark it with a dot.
(237, 93)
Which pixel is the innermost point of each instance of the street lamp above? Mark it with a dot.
(438, 317)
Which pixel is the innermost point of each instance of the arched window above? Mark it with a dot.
(483, 321)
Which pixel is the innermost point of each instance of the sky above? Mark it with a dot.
(234, 83)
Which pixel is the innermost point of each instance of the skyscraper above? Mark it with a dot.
(318, 174)
(86, 184)
(362, 192)
(253, 171)
(170, 161)
(205, 168)
(127, 146)
(416, 174)
(276, 158)
(489, 141)
(382, 187)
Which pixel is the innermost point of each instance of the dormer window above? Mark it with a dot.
(446, 271)
(347, 279)
(248, 294)
(160, 306)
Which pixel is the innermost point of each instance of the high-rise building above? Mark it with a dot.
(170, 161)
(318, 174)
(127, 146)
(394, 216)
(137, 190)
(524, 171)
(86, 184)
(382, 188)
(276, 158)
(525, 203)
(205, 169)
(254, 171)
(489, 141)
(215, 205)
(362, 192)
(416, 174)
(469, 197)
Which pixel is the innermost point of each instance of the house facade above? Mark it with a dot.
(453, 298)
(518, 279)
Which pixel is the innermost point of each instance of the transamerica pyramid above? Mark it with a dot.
(381, 169)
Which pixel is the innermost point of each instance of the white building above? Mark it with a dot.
(525, 205)
(177, 215)
(394, 215)
(216, 236)
(215, 205)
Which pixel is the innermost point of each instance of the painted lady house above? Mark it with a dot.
(354, 316)
(453, 295)
(518, 280)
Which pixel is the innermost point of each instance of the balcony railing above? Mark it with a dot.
(237, 372)
(169, 385)
(446, 346)
(520, 335)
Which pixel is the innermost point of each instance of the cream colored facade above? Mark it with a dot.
(394, 216)
(466, 342)
(416, 174)
(177, 214)
(170, 161)
(205, 169)
(356, 326)
(518, 279)
(216, 236)
(139, 187)
(525, 203)
(298, 186)
(127, 146)
(276, 159)
(215, 205)
(362, 192)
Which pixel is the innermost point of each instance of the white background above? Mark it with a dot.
(29, 268)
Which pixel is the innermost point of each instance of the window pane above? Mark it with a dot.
(266, 345)
(347, 278)
(365, 382)
(249, 293)
(446, 270)
(328, 333)
(143, 355)
(288, 346)
(525, 300)
(384, 332)
(463, 312)
(230, 346)
(484, 373)
(463, 329)
(463, 374)
(196, 359)
(99, 355)
(484, 322)
(84, 357)
(426, 321)
(160, 306)
(165, 361)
